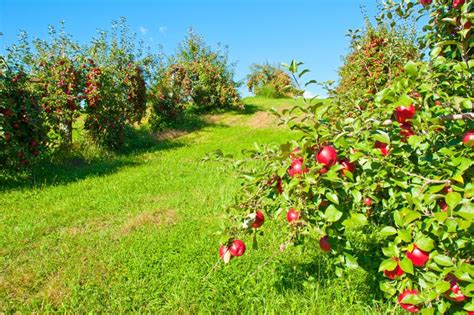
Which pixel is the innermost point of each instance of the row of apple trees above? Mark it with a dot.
(50, 87)
(388, 161)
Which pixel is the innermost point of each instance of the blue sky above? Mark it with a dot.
(312, 31)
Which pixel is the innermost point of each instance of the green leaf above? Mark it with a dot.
(411, 68)
(388, 264)
(351, 262)
(405, 235)
(452, 199)
(333, 198)
(332, 214)
(443, 260)
(382, 137)
(388, 230)
(442, 286)
(425, 243)
(386, 287)
(407, 265)
(356, 220)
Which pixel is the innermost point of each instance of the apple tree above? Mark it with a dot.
(388, 182)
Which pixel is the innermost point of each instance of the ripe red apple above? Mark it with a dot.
(348, 166)
(33, 144)
(458, 3)
(469, 138)
(402, 113)
(438, 103)
(443, 205)
(454, 293)
(259, 219)
(8, 136)
(447, 189)
(324, 204)
(222, 251)
(382, 147)
(324, 244)
(237, 248)
(395, 273)
(292, 215)
(279, 186)
(406, 131)
(418, 257)
(327, 156)
(425, 2)
(409, 307)
(323, 171)
(367, 201)
(297, 167)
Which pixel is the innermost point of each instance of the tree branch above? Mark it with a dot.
(464, 116)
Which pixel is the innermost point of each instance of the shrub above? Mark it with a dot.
(389, 188)
(270, 81)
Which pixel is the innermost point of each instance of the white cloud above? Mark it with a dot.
(143, 30)
(309, 94)
(163, 29)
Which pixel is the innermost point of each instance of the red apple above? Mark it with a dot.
(402, 113)
(418, 256)
(259, 219)
(454, 293)
(425, 2)
(458, 3)
(469, 138)
(382, 147)
(367, 201)
(348, 166)
(237, 248)
(8, 136)
(327, 156)
(222, 251)
(324, 244)
(324, 204)
(406, 131)
(279, 186)
(409, 307)
(447, 189)
(292, 215)
(443, 205)
(297, 167)
(395, 273)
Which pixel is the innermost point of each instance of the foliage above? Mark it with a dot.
(377, 56)
(401, 185)
(115, 87)
(271, 81)
(22, 129)
(196, 77)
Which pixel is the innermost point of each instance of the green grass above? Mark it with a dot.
(136, 231)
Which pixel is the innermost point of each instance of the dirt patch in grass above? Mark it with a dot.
(262, 120)
(156, 218)
(95, 225)
(54, 290)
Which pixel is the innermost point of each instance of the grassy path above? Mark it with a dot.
(139, 234)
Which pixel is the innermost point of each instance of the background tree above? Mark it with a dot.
(271, 81)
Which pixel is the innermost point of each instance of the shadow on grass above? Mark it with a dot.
(87, 160)
(355, 284)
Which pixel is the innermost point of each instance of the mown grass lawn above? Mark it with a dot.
(137, 232)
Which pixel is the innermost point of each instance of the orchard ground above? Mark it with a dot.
(137, 232)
